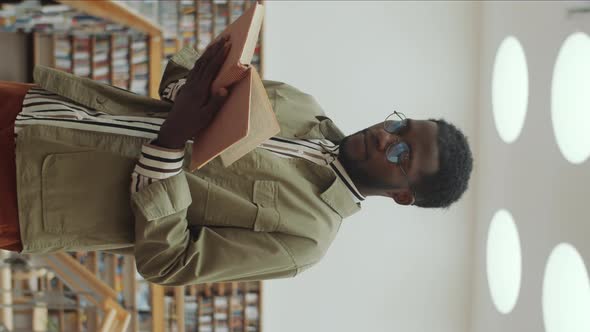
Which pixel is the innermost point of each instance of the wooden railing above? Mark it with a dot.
(80, 280)
(118, 12)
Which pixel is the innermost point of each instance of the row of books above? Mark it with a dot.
(119, 59)
(140, 65)
(237, 311)
(186, 23)
(213, 16)
(33, 15)
(233, 307)
(205, 21)
(179, 25)
(182, 27)
(84, 45)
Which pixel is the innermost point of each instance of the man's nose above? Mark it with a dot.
(385, 139)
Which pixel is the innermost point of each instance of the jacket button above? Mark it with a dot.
(101, 100)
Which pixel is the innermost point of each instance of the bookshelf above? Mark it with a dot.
(81, 55)
(211, 18)
(120, 13)
(119, 60)
(166, 25)
(106, 49)
(100, 46)
(214, 307)
(133, 58)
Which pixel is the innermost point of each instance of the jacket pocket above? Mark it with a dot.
(86, 192)
(265, 197)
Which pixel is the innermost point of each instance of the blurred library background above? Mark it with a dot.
(126, 44)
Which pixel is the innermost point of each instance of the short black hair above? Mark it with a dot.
(448, 184)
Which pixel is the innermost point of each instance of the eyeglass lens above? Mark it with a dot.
(396, 153)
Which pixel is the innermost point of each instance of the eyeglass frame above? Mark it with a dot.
(404, 119)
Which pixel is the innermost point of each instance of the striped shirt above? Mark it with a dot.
(41, 107)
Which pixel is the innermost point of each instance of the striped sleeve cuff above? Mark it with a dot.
(159, 163)
(171, 91)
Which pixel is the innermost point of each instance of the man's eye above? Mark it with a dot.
(404, 128)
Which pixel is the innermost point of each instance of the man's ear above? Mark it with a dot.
(402, 198)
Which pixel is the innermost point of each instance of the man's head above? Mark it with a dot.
(425, 163)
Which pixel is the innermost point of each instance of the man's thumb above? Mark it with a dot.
(219, 98)
(222, 92)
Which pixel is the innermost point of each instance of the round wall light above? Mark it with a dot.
(566, 292)
(504, 261)
(510, 89)
(570, 98)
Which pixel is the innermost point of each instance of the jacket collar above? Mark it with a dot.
(337, 196)
(325, 128)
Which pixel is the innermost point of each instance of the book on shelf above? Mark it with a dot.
(237, 313)
(186, 23)
(28, 16)
(221, 16)
(62, 52)
(205, 33)
(191, 308)
(168, 18)
(101, 70)
(81, 64)
(221, 305)
(252, 309)
(205, 319)
(247, 109)
(205, 9)
(146, 8)
(170, 312)
(236, 9)
(119, 262)
(205, 24)
(120, 60)
(139, 64)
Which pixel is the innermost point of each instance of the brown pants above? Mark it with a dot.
(11, 101)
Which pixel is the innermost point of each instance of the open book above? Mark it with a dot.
(247, 118)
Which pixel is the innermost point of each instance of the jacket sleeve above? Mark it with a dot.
(169, 252)
(178, 67)
(155, 163)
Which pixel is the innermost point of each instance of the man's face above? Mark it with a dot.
(363, 154)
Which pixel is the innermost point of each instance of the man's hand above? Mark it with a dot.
(195, 106)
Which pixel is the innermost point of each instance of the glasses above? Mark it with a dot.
(398, 153)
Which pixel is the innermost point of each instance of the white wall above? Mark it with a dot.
(546, 195)
(391, 268)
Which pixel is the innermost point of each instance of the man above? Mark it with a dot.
(271, 214)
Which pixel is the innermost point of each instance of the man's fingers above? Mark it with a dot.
(217, 100)
(210, 52)
(212, 49)
(215, 65)
(208, 59)
(206, 69)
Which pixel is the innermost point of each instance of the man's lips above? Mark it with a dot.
(366, 144)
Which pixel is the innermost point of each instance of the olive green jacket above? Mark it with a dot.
(263, 217)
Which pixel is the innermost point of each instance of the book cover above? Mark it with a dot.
(246, 119)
